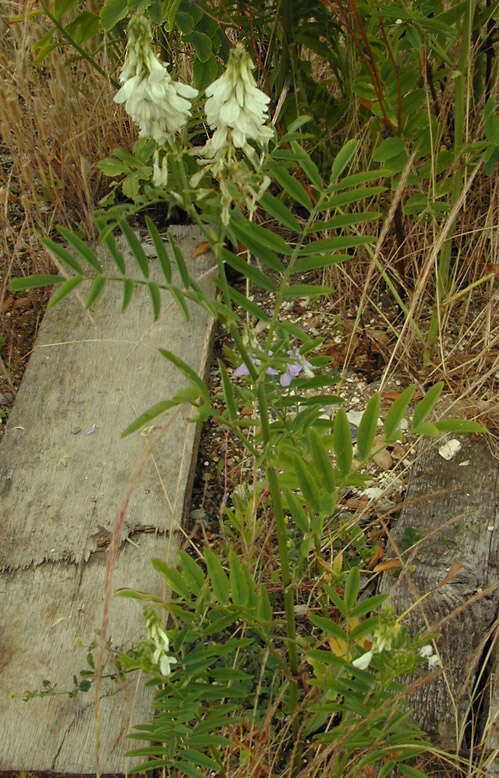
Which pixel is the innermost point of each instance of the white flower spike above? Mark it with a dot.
(236, 109)
(160, 106)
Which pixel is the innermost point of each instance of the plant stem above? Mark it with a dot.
(275, 493)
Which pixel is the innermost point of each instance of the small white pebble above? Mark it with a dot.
(465, 463)
(449, 449)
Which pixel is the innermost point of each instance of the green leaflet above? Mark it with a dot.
(116, 255)
(63, 290)
(304, 290)
(321, 460)
(96, 288)
(34, 282)
(342, 158)
(128, 289)
(136, 248)
(424, 407)
(179, 258)
(396, 413)
(342, 442)
(307, 164)
(352, 586)
(61, 253)
(278, 211)
(155, 293)
(81, 247)
(173, 578)
(259, 236)
(368, 427)
(329, 627)
(183, 396)
(336, 244)
(228, 392)
(160, 250)
(248, 270)
(188, 372)
(217, 575)
(292, 187)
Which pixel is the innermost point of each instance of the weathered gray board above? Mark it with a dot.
(453, 507)
(64, 471)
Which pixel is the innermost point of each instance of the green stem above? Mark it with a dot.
(275, 493)
(83, 52)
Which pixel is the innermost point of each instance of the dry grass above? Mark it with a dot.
(56, 121)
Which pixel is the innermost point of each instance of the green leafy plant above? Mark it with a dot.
(202, 661)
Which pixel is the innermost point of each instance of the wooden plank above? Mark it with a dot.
(452, 507)
(64, 471)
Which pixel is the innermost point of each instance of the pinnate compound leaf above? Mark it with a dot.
(342, 158)
(61, 253)
(368, 427)
(279, 211)
(424, 407)
(396, 413)
(96, 288)
(218, 577)
(135, 246)
(81, 247)
(188, 372)
(342, 442)
(36, 281)
(63, 290)
(164, 260)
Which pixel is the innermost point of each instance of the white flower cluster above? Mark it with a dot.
(433, 659)
(161, 642)
(384, 637)
(157, 104)
(236, 109)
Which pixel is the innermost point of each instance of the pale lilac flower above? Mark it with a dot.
(293, 369)
(160, 106)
